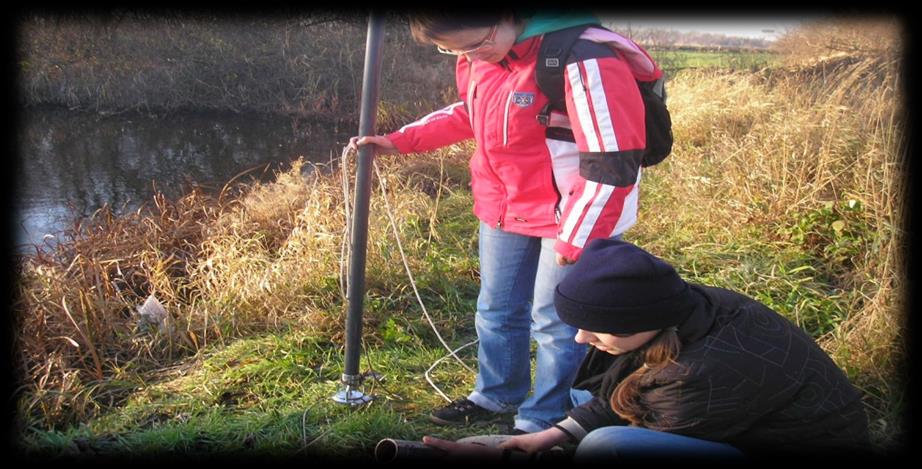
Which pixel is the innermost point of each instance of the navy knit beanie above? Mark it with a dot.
(618, 288)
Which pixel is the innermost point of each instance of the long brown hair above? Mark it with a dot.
(656, 355)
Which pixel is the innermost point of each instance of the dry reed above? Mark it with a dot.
(266, 259)
(303, 65)
(812, 154)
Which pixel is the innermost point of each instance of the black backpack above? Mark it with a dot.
(552, 57)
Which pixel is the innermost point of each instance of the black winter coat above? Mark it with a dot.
(745, 375)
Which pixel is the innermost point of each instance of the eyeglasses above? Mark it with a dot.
(487, 41)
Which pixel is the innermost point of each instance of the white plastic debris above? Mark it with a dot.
(153, 314)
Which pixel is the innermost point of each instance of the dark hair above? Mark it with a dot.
(428, 25)
(659, 352)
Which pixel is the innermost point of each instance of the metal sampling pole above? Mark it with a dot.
(356, 288)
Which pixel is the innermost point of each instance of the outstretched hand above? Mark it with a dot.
(535, 442)
(563, 260)
(529, 443)
(381, 144)
(464, 450)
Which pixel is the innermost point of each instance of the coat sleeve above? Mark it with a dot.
(607, 117)
(440, 128)
(587, 417)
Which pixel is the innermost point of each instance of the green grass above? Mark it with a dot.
(673, 60)
(271, 395)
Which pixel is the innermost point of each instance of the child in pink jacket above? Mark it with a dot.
(542, 190)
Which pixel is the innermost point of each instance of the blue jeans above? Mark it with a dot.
(518, 275)
(627, 443)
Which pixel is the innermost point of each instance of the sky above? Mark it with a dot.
(755, 27)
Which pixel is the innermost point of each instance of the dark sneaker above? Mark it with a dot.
(464, 412)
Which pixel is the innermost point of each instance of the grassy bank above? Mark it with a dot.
(788, 185)
(785, 184)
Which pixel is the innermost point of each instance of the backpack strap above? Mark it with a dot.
(552, 58)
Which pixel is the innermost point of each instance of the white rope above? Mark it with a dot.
(406, 265)
(434, 364)
(345, 251)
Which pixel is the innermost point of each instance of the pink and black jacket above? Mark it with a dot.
(577, 179)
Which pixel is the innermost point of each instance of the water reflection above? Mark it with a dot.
(75, 163)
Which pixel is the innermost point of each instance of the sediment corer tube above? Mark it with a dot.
(388, 450)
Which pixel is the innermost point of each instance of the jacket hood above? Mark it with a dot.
(638, 60)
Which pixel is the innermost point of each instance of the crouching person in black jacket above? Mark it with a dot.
(680, 370)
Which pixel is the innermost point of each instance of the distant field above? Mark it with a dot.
(673, 60)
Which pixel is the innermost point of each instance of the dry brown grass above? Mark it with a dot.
(266, 259)
(873, 37)
(76, 320)
(858, 104)
(305, 65)
(824, 134)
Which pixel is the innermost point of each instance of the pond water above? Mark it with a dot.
(71, 164)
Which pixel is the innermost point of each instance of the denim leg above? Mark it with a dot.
(579, 397)
(627, 443)
(558, 355)
(508, 264)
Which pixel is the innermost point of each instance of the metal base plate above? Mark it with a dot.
(351, 397)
